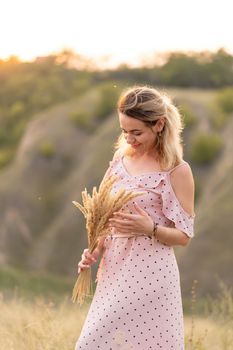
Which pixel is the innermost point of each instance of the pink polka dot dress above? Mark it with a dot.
(137, 302)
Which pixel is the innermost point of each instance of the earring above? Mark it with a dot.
(159, 143)
(158, 139)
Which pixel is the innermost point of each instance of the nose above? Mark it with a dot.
(129, 138)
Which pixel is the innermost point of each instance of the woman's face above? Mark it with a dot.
(137, 133)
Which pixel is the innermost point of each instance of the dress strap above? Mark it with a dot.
(179, 165)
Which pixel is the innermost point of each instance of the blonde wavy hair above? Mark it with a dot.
(148, 105)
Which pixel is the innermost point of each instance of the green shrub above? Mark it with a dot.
(47, 149)
(217, 117)
(205, 147)
(3, 136)
(198, 188)
(17, 109)
(188, 116)
(81, 84)
(82, 120)
(107, 100)
(17, 130)
(225, 100)
(33, 284)
(6, 156)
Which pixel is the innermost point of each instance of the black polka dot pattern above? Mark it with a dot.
(137, 303)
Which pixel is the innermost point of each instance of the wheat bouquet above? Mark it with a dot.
(97, 210)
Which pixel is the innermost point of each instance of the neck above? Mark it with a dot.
(145, 154)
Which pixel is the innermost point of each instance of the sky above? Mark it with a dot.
(121, 31)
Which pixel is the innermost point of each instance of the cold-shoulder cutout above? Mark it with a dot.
(182, 183)
(177, 166)
(173, 201)
(161, 185)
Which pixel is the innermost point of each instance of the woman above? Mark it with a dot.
(137, 303)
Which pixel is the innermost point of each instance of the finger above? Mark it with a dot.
(85, 259)
(117, 222)
(89, 256)
(122, 224)
(124, 215)
(122, 227)
(87, 262)
(83, 266)
(84, 263)
(123, 231)
(86, 253)
(139, 209)
(114, 222)
(83, 256)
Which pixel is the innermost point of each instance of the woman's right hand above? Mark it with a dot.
(87, 259)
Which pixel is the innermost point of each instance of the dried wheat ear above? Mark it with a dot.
(97, 209)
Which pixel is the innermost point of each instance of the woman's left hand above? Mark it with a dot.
(128, 223)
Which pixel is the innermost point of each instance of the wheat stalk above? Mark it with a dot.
(97, 211)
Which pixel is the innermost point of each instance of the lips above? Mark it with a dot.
(136, 145)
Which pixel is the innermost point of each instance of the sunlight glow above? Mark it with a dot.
(121, 31)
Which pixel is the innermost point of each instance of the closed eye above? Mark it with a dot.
(133, 133)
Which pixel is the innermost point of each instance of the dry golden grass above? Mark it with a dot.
(44, 325)
(39, 325)
(208, 334)
(97, 210)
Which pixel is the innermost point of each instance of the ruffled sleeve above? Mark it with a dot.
(111, 168)
(173, 210)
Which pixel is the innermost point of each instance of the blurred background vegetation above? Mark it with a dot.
(58, 124)
(28, 88)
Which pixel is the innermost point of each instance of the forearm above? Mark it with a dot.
(171, 236)
(100, 245)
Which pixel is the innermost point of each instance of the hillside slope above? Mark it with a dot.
(41, 229)
(209, 258)
(29, 187)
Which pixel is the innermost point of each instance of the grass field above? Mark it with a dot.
(44, 325)
(33, 318)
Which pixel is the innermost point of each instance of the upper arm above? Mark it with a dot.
(183, 185)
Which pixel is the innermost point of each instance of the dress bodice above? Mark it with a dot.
(159, 199)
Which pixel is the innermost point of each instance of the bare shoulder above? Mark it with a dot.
(183, 185)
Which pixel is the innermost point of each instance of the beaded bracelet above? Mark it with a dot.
(155, 228)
